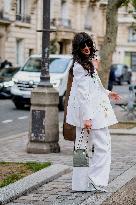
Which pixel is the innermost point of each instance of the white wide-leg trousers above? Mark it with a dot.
(99, 162)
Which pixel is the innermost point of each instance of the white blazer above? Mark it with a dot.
(89, 100)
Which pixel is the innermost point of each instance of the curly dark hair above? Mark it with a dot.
(78, 56)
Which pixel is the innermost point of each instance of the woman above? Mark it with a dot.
(89, 108)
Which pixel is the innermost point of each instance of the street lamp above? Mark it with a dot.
(45, 77)
(44, 125)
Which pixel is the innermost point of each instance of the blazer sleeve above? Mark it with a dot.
(106, 91)
(83, 92)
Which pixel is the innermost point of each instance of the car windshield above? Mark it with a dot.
(32, 65)
(8, 72)
(119, 66)
(118, 70)
(57, 65)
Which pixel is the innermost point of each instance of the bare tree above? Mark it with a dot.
(109, 43)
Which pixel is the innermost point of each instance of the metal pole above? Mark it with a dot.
(45, 77)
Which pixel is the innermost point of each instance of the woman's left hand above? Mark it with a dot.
(114, 96)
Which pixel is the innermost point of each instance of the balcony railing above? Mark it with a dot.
(4, 18)
(88, 27)
(23, 18)
(1, 14)
(66, 23)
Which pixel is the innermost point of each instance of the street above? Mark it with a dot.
(13, 121)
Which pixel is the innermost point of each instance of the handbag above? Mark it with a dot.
(80, 156)
(69, 131)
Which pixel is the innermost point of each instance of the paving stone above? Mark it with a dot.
(123, 157)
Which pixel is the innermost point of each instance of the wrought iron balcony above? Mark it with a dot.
(23, 18)
(88, 27)
(1, 14)
(62, 22)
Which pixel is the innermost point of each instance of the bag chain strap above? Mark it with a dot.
(80, 140)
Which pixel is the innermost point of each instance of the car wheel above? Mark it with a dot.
(19, 105)
(61, 102)
(129, 82)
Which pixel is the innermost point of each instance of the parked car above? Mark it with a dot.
(122, 72)
(28, 77)
(6, 82)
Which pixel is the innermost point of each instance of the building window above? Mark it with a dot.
(130, 59)
(88, 18)
(64, 20)
(19, 52)
(2, 47)
(7, 8)
(133, 61)
(132, 35)
(21, 11)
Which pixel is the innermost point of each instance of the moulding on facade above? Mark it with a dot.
(33, 6)
(13, 4)
(22, 24)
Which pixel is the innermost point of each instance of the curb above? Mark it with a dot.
(113, 186)
(112, 131)
(31, 182)
(122, 132)
(117, 132)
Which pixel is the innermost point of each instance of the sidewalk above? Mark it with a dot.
(59, 190)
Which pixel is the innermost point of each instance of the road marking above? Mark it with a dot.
(7, 121)
(20, 118)
(23, 117)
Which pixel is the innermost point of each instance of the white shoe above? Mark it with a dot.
(94, 188)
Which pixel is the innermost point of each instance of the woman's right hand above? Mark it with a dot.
(87, 124)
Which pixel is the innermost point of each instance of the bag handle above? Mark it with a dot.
(82, 133)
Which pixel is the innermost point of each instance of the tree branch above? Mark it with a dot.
(117, 3)
(120, 2)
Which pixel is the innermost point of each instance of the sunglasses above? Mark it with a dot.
(87, 43)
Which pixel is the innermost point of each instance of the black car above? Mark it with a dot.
(6, 82)
(122, 73)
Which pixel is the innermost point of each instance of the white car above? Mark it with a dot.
(28, 77)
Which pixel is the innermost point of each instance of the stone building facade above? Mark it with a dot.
(18, 25)
(20, 20)
(69, 17)
(126, 39)
(125, 51)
